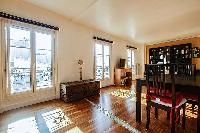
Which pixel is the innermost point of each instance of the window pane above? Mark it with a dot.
(129, 62)
(133, 59)
(19, 60)
(106, 66)
(43, 60)
(106, 60)
(129, 53)
(99, 67)
(107, 72)
(99, 60)
(98, 49)
(99, 72)
(129, 57)
(106, 50)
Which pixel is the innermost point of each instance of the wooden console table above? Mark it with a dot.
(72, 91)
(123, 76)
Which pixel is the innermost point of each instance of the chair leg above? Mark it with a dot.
(179, 117)
(148, 117)
(168, 115)
(183, 119)
(156, 113)
(173, 126)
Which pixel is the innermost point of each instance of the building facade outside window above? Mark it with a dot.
(29, 57)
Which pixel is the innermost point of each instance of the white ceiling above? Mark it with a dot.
(141, 21)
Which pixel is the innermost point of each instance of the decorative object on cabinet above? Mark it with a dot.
(123, 76)
(196, 52)
(80, 63)
(76, 90)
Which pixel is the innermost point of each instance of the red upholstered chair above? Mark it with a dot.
(161, 93)
(192, 99)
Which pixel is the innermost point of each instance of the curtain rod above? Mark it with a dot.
(131, 47)
(24, 20)
(102, 39)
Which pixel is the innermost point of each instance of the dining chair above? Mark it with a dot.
(161, 93)
(192, 99)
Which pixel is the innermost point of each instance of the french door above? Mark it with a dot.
(29, 60)
(102, 61)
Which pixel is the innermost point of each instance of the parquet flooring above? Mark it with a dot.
(111, 111)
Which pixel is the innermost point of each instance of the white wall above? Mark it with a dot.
(74, 41)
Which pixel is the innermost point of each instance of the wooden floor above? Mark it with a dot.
(111, 111)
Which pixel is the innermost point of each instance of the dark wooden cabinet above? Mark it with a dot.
(178, 54)
(72, 91)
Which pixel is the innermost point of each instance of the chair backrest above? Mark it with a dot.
(161, 81)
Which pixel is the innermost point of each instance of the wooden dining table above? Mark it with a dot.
(188, 84)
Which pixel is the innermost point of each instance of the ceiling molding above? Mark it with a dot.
(136, 21)
(173, 40)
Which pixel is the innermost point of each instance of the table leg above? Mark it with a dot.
(138, 100)
(198, 117)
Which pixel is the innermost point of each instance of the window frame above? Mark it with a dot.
(132, 52)
(1, 64)
(110, 56)
(6, 53)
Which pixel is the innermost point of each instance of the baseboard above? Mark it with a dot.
(7, 107)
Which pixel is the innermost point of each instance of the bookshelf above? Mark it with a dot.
(176, 54)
